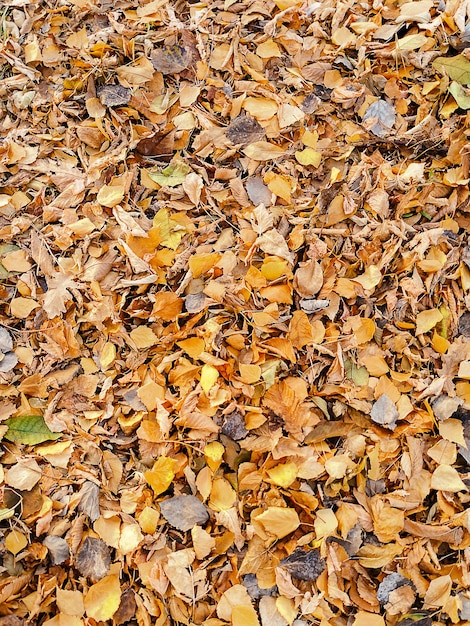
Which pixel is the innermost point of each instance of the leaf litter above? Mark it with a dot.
(234, 334)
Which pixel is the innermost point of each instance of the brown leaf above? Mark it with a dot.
(93, 560)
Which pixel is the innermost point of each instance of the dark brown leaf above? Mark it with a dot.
(93, 559)
(244, 129)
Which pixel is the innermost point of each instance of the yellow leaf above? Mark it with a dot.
(143, 337)
(194, 346)
(131, 537)
(107, 355)
(249, 373)
(263, 151)
(260, 108)
(308, 157)
(289, 114)
(15, 542)
(310, 139)
(286, 607)
(279, 521)
(443, 452)
(199, 264)
(377, 557)
(110, 195)
(283, 474)
(279, 185)
(343, 37)
(440, 344)
(244, 615)
(338, 465)
(363, 328)
(222, 496)
(325, 523)
(235, 596)
(209, 375)
(148, 520)
(161, 475)
(363, 618)
(169, 230)
(70, 602)
(438, 592)
(103, 599)
(16, 262)
(22, 307)
(203, 543)
(137, 73)
(268, 49)
(371, 277)
(447, 478)
(213, 453)
(452, 430)
(427, 320)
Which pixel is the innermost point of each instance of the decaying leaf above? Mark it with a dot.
(184, 512)
(235, 282)
(93, 559)
(304, 564)
(384, 412)
(244, 130)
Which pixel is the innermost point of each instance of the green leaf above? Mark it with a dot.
(461, 95)
(457, 68)
(359, 375)
(6, 248)
(171, 176)
(29, 429)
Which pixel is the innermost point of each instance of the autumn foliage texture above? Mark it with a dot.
(234, 338)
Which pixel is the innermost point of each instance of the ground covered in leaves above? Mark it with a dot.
(235, 346)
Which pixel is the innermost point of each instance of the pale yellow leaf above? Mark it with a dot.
(103, 599)
(22, 307)
(427, 320)
(263, 151)
(446, 478)
(438, 592)
(144, 337)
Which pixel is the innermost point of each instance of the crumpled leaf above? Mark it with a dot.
(89, 500)
(170, 59)
(304, 564)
